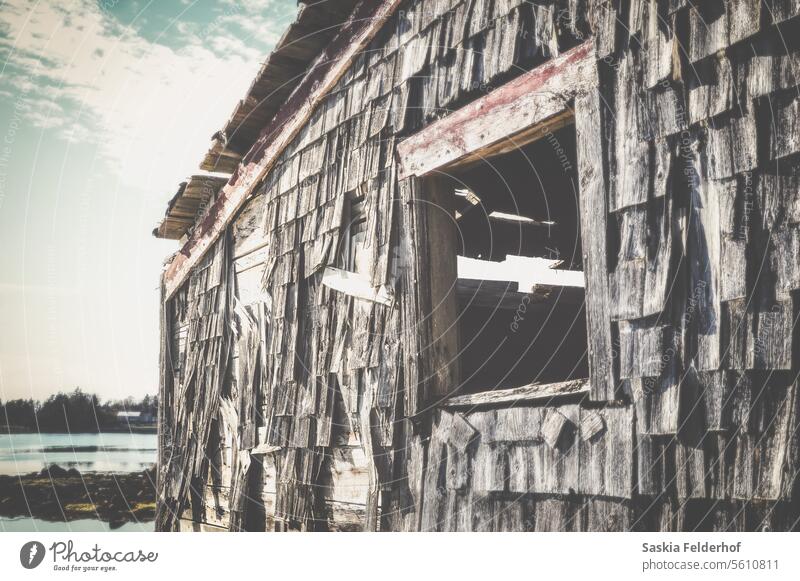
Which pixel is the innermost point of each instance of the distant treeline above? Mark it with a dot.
(70, 412)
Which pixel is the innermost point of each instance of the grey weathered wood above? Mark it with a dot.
(551, 514)
(544, 392)
(439, 243)
(711, 89)
(489, 468)
(732, 146)
(708, 29)
(659, 40)
(517, 424)
(633, 168)
(651, 455)
(627, 289)
(659, 277)
(604, 515)
(593, 208)
(357, 286)
(744, 19)
(603, 469)
(715, 388)
(331, 412)
(785, 129)
(553, 426)
(690, 469)
(641, 348)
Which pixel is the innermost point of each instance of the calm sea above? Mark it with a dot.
(117, 452)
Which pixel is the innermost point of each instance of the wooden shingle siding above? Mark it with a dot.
(291, 403)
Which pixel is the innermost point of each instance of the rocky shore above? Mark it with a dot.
(56, 494)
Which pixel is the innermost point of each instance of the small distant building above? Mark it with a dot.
(133, 418)
(128, 416)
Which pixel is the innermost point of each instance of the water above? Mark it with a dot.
(111, 452)
(27, 524)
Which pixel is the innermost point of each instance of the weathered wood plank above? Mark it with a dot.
(439, 242)
(593, 215)
(355, 285)
(606, 467)
(533, 392)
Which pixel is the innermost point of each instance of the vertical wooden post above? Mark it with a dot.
(594, 212)
(430, 308)
(165, 396)
(441, 249)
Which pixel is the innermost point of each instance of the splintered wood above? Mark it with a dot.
(311, 355)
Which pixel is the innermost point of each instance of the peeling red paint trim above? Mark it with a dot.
(450, 131)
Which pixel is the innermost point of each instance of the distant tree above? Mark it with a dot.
(75, 411)
(18, 414)
(71, 412)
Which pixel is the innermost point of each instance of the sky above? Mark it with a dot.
(105, 107)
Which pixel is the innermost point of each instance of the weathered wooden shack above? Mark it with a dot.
(493, 265)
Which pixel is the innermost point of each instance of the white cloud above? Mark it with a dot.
(150, 109)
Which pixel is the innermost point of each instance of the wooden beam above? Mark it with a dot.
(356, 285)
(439, 243)
(365, 22)
(593, 214)
(510, 116)
(534, 392)
(500, 294)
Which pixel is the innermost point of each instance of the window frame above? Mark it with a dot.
(561, 91)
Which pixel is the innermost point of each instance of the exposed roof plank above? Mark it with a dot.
(187, 204)
(316, 24)
(366, 21)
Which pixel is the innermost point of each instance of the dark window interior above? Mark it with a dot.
(521, 204)
(534, 182)
(354, 242)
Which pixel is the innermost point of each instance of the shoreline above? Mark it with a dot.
(59, 495)
(12, 431)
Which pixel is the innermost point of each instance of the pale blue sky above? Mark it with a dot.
(104, 108)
